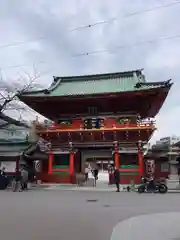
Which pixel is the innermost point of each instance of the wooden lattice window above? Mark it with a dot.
(92, 110)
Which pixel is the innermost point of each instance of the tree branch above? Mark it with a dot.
(10, 120)
(24, 89)
(9, 91)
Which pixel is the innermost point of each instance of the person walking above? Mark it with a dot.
(3, 179)
(117, 178)
(24, 179)
(16, 183)
(111, 174)
(86, 174)
(95, 173)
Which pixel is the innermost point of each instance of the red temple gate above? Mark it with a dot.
(112, 111)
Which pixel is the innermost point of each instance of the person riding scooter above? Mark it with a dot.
(150, 183)
(3, 179)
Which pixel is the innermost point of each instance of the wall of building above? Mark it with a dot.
(165, 147)
(168, 140)
(54, 178)
(162, 169)
(12, 132)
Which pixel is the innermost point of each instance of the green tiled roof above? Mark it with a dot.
(95, 84)
(13, 147)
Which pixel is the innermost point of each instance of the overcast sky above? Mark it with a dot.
(48, 23)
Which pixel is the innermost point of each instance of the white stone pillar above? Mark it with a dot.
(173, 172)
(39, 182)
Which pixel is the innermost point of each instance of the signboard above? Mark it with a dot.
(9, 166)
(150, 167)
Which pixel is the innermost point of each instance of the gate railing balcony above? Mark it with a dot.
(140, 124)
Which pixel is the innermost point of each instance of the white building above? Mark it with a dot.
(168, 140)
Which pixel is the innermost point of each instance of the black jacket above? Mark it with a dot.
(116, 175)
(18, 176)
(95, 172)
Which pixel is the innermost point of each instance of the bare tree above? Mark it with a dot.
(9, 90)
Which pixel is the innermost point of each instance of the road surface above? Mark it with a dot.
(65, 215)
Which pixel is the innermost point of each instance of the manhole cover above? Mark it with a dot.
(91, 200)
(106, 205)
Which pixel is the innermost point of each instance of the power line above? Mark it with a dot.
(153, 8)
(21, 65)
(21, 42)
(99, 51)
(111, 20)
(128, 45)
(132, 14)
(44, 38)
(95, 24)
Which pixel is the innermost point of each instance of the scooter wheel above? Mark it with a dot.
(163, 188)
(141, 189)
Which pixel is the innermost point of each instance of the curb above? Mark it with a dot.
(91, 189)
(80, 189)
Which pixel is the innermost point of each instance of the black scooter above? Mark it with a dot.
(151, 186)
(4, 181)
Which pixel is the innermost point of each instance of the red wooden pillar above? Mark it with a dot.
(50, 163)
(116, 158)
(141, 162)
(116, 155)
(116, 161)
(71, 166)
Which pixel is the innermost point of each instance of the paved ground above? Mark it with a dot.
(159, 226)
(101, 187)
(68, 215)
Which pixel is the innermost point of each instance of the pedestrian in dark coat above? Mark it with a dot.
(16, 184)
(95, 173)
(117, 178)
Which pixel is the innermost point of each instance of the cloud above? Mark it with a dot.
(53, 55)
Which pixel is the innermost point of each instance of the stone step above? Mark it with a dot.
(172, 183)
(173, 177)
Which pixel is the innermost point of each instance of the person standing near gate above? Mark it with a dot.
(117, 178)
(16, 183)
(24, 179)
(86, 174)
(95, 173)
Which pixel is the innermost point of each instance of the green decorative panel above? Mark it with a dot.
(118, 120)
(61, 160)
(60, 173)
(133, 166)
(129, 173)
(60, 166)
